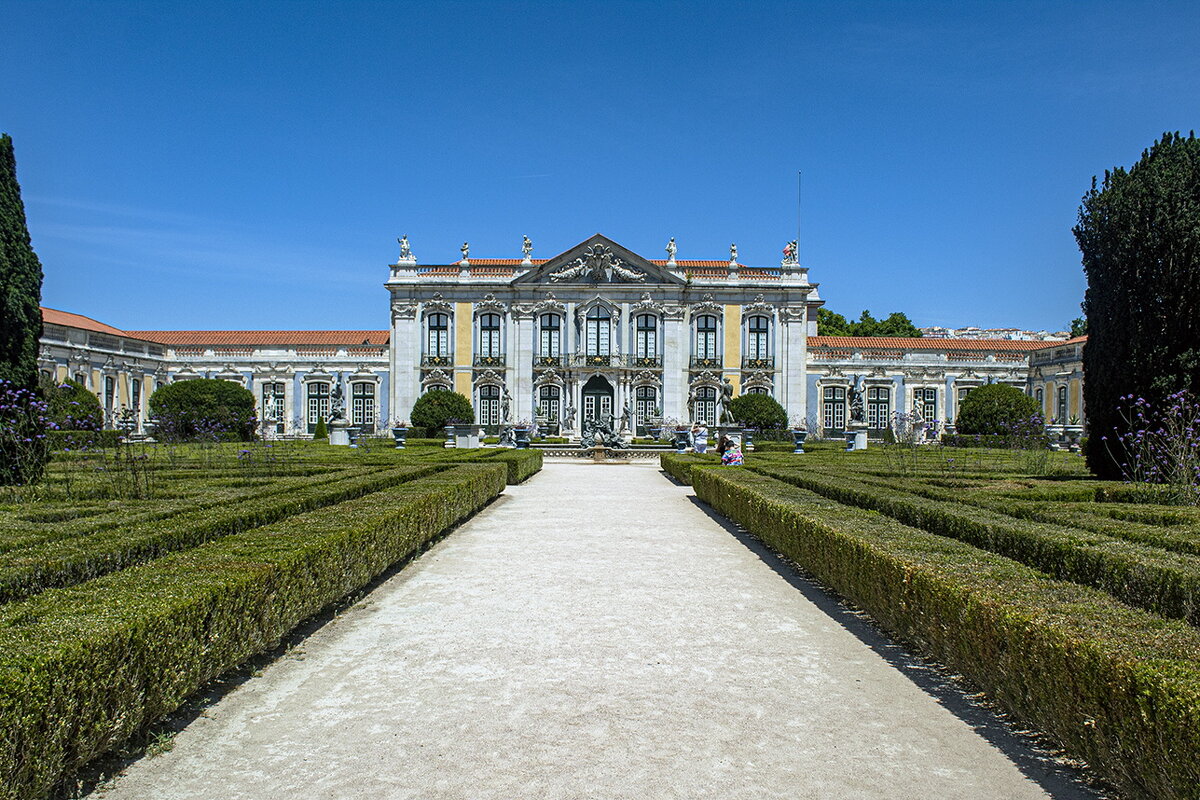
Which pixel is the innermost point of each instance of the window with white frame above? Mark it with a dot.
(879, 407)
(646, 344)
(706, 336)
(833, 408)
(925, 403)
(489, 405)
(135, 395)
(110, 393)
(597, 332)
(1062, 405)
(489, 335)
(317, 403)
(758, 390)
(645, 406)
(758, 337)
(273, 403)
(550, 402)
(437, 342)
(705, 408)
(550, 336)
(362, 405)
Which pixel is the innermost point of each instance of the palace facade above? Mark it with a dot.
(595, 330)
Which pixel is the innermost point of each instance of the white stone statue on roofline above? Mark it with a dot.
(733, 253)
(466, 251)
(671, 250)
(527, 249)
(789, 254)
(406, 255)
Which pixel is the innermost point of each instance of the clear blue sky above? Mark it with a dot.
(196, 165)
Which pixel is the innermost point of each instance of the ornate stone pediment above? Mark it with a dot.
(599, 260)
(549, 377)
(759, 379)
(705, 378)
(759, 306)
(489, 376)
(707, 306)
(792, 314)
(646, 305)
(646, 378)
(404, 308)
(489, 303)
(436, 377)
(438, 304)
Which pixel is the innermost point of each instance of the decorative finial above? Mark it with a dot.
(671, 248)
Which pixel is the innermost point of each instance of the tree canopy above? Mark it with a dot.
(439, 407)
(996, 409)
(20, 280)
(758, 411)
(897, 324)
(1139, 235)
(204, 408)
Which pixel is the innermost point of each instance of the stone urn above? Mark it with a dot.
(400, 435)
(681, 440)
(798, 437)
(521, 436)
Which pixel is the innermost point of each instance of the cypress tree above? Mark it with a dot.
(20, 280)
(1139, 233)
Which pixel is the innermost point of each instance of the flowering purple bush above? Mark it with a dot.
(1158, 445)
(24, 421)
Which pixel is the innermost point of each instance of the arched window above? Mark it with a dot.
(437, 342)
(879, 407)
(489, 335)
(706, 337)
(1039, 394)
(597, 332)
(758, 339)
(833, 408)
(645, 407)
(489, 405)
(550, 338)
(317, 403)
(550, 403)
(758, 390)
(1062, 405)
(362, 405)
(646, 344)
(705, 408)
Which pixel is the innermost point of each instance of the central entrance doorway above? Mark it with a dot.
(597, 398)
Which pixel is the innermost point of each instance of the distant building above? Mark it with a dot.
(1015, 334)
(1056, 381)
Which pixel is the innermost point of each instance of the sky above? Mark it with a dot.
(250, 165)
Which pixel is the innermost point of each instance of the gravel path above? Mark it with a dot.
(594, 633)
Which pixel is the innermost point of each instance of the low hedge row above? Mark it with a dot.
(1160, 581)
(1002, 441)
(73, 560)
(1116, 686)
(78, 440)
(679, 465)
(83, 668)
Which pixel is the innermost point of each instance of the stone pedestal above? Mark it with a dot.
(339, 433)
(856, 436)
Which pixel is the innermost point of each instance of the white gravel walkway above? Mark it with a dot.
(593, 633)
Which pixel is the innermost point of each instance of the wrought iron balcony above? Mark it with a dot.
(705, 363)
(593, 360)
(489, 361)
(758, 363)
(648, 362)
(548, 361)
(437, 361)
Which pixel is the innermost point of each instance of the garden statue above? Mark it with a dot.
(506, 407)
(733, 253)
(724, 417)
(405, 250)
(337, 403)
(466, 250)
(527, 247)
(671, 249)
(568, 420)
(626, 420)
(856, 405)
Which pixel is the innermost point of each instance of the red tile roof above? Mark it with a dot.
(1076, 340)
(53, 316)
(277, 338)
(920, 343)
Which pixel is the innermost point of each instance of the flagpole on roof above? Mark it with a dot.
(799, 187)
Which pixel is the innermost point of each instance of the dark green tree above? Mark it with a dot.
(204, 409)
(20, 280)
(758, 411)
(830, 323)
(320, 430)
(1139, 235)
(1078, 327)
(439, 407)
(897, 324)
(71, 407)
(996, 409)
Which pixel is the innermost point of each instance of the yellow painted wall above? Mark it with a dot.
(733, 346)
(463, 323)
(62, 373)
(1075, 399)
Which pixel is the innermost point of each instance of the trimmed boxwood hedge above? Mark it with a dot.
(1160, 581)
(679, 465)
(1116, 686)
(72, 560)
(83, 668)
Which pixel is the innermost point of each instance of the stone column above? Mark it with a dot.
(794, 341)
(675, 361)
(405, 357)
(520, 370)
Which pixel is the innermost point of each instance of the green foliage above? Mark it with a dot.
(995, 409)
(203, 408)
(83, 668)
(1117, 686)
(20, 280)
(897, 324)
(1139, 235)
(1078, 327)
(71, 406)
(78, 440)
(758, 411)
(440, 407)
(320, 430)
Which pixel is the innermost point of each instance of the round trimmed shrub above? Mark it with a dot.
(71, 406)
(996, 409)
(204, 408)
(440, 407)
(758, 411)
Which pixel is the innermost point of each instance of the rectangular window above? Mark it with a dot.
(1062, 405)
(362, 408)
(549, 403)
(647, 337)
(489, 405)
(645, 407)
(705, 409)
(135, 395)
(925, 403)
(438, 343)
(272, 405)
(706, 337)
(318, 403)
(879, 407)
(550, 344)
(110, 393)
(489, 335)
(833, 408)
(757, 340)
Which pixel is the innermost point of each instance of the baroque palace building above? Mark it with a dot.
(595, 330)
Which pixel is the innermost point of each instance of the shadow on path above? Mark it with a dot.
(1029, 751)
